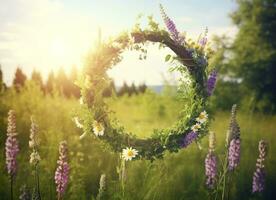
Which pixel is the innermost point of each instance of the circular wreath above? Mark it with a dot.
(94, 116)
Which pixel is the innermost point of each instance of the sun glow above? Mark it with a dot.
(58, 48)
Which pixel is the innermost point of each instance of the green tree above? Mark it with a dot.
(132, 90)
(254, 50)
(19, 78)
(142, 88)
(63, 83)
(50, 83)
(73, 88)
(1, 80)
(123, 90)
(37, 78)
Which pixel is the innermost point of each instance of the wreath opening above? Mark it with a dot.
(189, 58)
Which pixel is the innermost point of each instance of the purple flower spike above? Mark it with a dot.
(203, 40)
(210, 169)
(234, 154)
(259, 175)
(11, 144)
(211, 82)
(171, 27)
(188, 139)
(62, 171)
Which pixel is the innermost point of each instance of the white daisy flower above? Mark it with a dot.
(98, 129)
(129, 153)
(77, 122)
(203, 116)
(196, 127)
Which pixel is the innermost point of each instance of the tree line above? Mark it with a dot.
(65, 84)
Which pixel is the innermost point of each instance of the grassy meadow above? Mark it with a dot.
(177, 176)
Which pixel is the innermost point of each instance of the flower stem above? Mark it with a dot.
(37, 181)
(11, 187)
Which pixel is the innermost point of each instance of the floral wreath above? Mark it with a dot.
(192, 61)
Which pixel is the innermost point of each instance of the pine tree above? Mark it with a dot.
(49, 87)
(19, 78)
(37, 78)
(142, 88)
(73, 88)
(1, 80)
(63, 83)
(132, 90)
(123, 90)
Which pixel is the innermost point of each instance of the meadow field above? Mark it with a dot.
(177, 176)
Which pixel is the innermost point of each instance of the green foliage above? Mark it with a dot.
(254, 50)
(177, 176)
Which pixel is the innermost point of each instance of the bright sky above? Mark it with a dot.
(47, 34)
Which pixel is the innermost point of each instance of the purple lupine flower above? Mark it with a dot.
(188, 139)
(62, 171)
(211, 82)
(210, 169)
(234, 154)
(171, 27)
(259, 175)
(11, 144)
(233, 141)
(203, 40)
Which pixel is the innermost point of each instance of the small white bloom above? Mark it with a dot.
(196, 127)
(129, 153)
(98, 129)
(203, 116)
(34, 157)
(77, 122)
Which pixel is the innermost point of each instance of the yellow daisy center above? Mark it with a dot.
(201, 116)
(130, 153)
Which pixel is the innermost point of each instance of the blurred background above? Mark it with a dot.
(43, 46)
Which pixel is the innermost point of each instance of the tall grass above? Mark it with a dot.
(177, 176)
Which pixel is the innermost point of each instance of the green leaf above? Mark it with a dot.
(167, 58)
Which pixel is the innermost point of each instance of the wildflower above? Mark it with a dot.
(234, 128)
(77, 122)
(203, 40)
(188, 139)
(129, 153)
(62, 171)
(210, 169)
(203, 116)
(11, 148)
(212, 141)
(211, 82)
(196, 127)
(171, 27)
(33, 143)
(102, 187)
(233, 141)
(34, 158)
(98, 129)
(234, 154)
(211, 162)
(259, 175)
